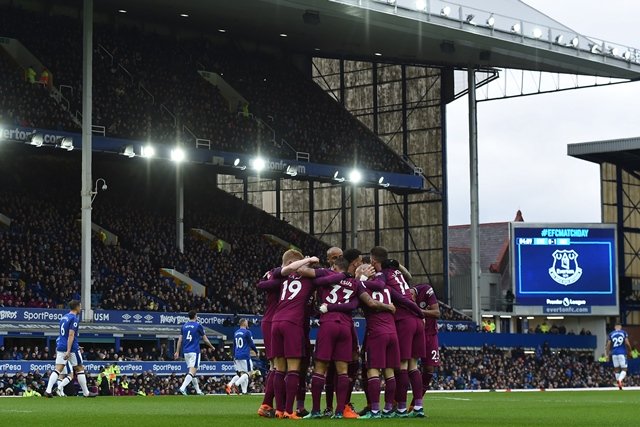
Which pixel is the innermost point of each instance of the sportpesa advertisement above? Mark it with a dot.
(564, 269)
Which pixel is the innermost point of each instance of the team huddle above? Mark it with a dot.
(401, 330)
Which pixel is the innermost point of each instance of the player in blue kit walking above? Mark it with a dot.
(68, 352)
(192, 332)
(243, 344)
(617, 347)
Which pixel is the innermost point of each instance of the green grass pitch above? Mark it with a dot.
(585, 408)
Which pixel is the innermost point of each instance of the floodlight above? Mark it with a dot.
(559, 39)
(421, 4)
(337, 177)
(595, 48)
(177, 155)
(469, 19)
(355, 176)
(491, 21)
(128, 151)
(292, 170)
(626, 55)
(258, 164)
(382, 183)
(66, 144)
(236, 164)
(515, 28)
(147, 151)
(537, 33)
(36, 140)
(575, 42)
(445, 11)
(614, 51)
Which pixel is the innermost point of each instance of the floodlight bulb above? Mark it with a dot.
(177, 155)
(491, 21)
(445, 11)
(236, 162)
(148, 151)
(258, 164)
(575, 41)
(355, 176)
(515, 28)
(537, 33)
(559, 39)
(421, 4)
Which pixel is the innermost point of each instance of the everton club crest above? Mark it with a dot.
(565, 269)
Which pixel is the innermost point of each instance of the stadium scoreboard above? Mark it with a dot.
(564, 269)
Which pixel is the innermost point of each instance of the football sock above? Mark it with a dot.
(617, 376)
(342, 386)
(233, 380)
(82, 380)
(389, 393)
(64, 382)
(373, 384)
(416, 387)
(244, 382)
(194, 381)
(317, 384)
(301, 395)
(280, 390)
(353, 376)
(186, 382)
(427, 377)
(401, 388)
(268, 389)
(52, 380)
(329, 386)
(623, 375)
(292, 381)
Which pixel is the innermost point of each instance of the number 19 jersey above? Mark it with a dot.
(294, 295)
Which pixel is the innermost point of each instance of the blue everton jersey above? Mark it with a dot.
(243, 343)
(69, 322)
(192, 331)
(617, 342)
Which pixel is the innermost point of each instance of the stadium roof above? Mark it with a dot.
(519, 37)
(623, 152)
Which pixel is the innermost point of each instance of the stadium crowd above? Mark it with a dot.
(488, 368)
(139, 94)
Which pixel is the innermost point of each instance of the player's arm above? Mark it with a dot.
(330, 279)
(206, 340)
(343, 308)
(398, 299)
(607, 350)
(267, 285)
(433, 309)
(252, 345)
(297, 265)
(72, 335)
(375, 304)
(178, 346)
(628, 345)
(407, 276)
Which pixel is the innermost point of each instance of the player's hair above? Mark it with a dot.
(243, 321)
(290, 256)
(379, 254)
(341, 263)
(74, 304)
(351, 255)
(192, 314)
